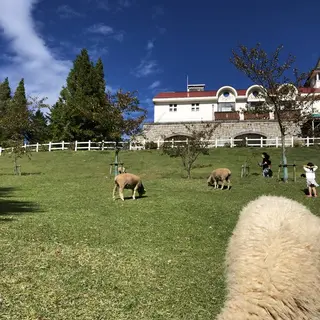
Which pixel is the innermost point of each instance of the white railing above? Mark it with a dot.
(134, 145)
(250, 142)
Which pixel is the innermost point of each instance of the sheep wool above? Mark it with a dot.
(273, 263)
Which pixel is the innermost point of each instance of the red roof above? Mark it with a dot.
(213, 93)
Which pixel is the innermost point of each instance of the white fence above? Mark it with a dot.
(218, 142)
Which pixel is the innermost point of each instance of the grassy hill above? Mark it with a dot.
(68, 251)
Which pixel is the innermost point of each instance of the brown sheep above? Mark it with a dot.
(128, 181)
(220, 174)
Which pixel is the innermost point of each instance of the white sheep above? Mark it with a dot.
(220, 174)
(273, 263)
(128, 181)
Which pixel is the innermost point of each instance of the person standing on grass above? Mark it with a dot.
(266, 165)
(310, 169)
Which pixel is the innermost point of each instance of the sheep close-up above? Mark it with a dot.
(273, 262)
(219, 175)
(121, 169)
(128, 181)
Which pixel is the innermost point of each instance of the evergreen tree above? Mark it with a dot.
(39, 130)
(5, 98)
(19, 109)
(5, 91)
(85, 111)
(72, 112)
(16, 122)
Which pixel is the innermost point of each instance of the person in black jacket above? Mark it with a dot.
(266, 165)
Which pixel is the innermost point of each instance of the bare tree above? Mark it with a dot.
(282, 90)
(196, 144)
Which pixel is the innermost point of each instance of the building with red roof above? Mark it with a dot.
(227, 104)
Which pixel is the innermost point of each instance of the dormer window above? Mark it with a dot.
(255, 93)
(226, 94)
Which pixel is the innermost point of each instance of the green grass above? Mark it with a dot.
(69, 252)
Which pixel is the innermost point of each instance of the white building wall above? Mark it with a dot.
(184, 112)
(316, 106)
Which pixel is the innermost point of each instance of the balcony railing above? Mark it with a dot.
(226, 115)
(257, 116)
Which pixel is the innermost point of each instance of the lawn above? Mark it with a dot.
(68, 251)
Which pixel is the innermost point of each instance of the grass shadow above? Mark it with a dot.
(14, 207)
(224, 187)
(130, 198)
(22, 174)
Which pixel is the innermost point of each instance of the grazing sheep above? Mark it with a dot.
(128, 181)
(121, 169)
(220, 174)
(273, 263)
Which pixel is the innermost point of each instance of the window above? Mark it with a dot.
(255, 93)
(254, 105)
(172, 107)
(226, 106)
(226, 94)
(195, 107)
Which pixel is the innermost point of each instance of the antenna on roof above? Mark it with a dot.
(187, 82)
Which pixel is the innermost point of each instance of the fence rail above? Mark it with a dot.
(145, 144)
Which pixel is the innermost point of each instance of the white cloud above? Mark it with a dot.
(124, 3)
(103, 4)
(146, 68)
(32, 60)
(104, 30)
(154, 85)
(161, 30)
(95, 50)
(101, 28)
(66, 11)
(157, 11)
(150, 45)
(147, 65)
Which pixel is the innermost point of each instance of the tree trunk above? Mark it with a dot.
(284, 158)
(189, 172)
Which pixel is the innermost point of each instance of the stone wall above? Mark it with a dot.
(226, 129)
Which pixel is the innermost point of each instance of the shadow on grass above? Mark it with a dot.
(22, 173)
(10, 207)
(225, 187)
(130, 198)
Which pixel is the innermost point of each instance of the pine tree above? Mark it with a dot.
(85, 111)
(5, 91)
(16, 123)
(39, 131)
(5, 98)
(20, 111)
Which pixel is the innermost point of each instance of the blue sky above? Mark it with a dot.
(149, 46)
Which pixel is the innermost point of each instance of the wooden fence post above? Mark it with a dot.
(37, 147)
(49, 146)
(76, 145)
